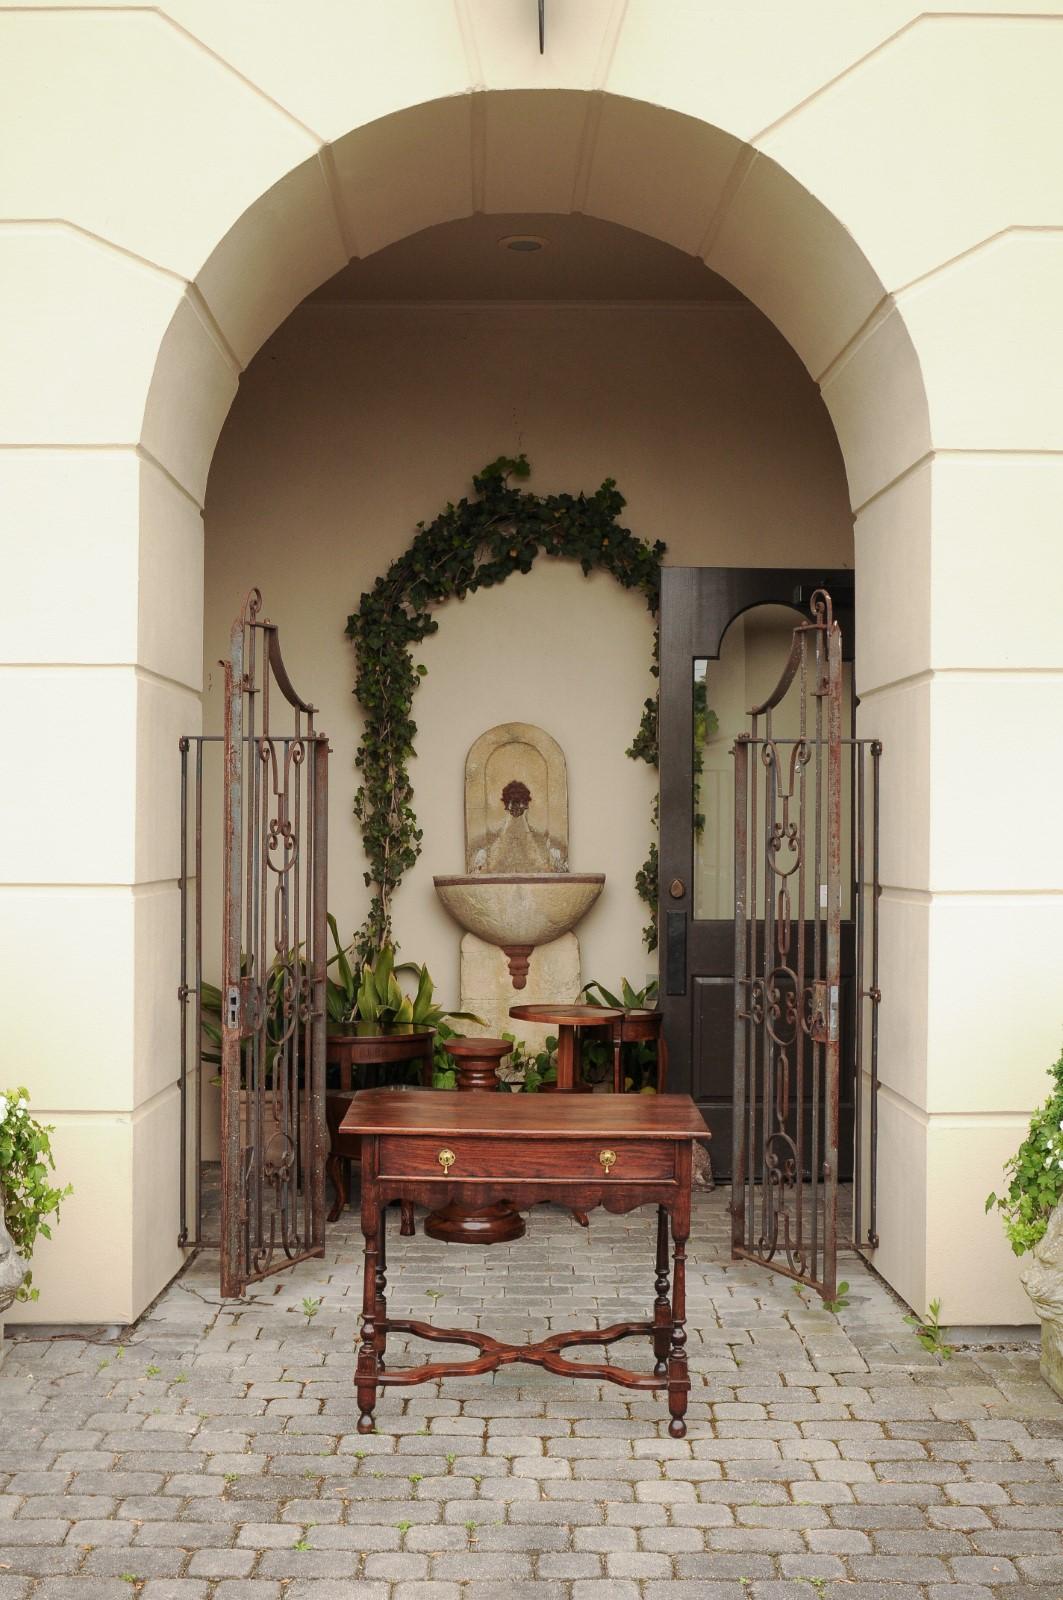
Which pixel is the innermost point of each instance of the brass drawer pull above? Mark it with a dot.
(607, 1158)
(447, 1159)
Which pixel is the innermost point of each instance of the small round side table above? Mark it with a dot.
(371, 1050)
(635, 1026)
(568, 1020)
(476, 1061)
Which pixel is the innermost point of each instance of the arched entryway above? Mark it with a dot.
(258, 206)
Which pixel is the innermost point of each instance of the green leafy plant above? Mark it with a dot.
(29, 1195)
(527, 1071)
(1035, 1173)
(472, 545)
(639, 1056)
(311, 1308)
(840, 1300)
(928, 1332)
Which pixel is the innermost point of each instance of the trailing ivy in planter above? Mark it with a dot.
(27, 1193)
(472, 545)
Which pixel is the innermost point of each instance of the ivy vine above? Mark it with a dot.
(472, 545)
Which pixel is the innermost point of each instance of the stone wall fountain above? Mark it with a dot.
(517, 899)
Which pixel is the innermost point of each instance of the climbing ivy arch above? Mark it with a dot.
(472, 545)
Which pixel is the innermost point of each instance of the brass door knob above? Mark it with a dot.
(607, 1159)
(446, 1159)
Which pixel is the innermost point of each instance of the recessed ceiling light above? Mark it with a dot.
(523, 243)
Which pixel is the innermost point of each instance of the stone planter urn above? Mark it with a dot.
(1043, 1282)
(12, 1273)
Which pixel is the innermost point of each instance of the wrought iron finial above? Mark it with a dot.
(542, 26)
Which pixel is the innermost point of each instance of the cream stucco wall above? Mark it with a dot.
(883, 182)
(354, 423)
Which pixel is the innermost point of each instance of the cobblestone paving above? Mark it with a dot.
(211, 1450)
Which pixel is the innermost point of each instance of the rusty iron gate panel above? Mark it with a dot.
(272, 994)
(801, 846)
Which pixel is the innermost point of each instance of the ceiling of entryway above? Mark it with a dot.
(583, 259)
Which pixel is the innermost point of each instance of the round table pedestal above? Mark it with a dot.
(476, 1060)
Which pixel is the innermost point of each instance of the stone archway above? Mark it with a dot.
(246, 173)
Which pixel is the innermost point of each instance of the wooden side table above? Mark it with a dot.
(369, 1049)
(635, 1026)
(618, 1151)
(477, 1062)
(568, 1020)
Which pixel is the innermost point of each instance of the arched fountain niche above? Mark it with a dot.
(517, 899)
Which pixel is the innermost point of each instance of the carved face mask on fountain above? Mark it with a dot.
(12, 1266)
(517, 847)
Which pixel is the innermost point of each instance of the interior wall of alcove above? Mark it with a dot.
(357, 420)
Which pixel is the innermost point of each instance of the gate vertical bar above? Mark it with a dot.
(232, 1190)
(741, 993)
(182, 996)
(317, 1131)
(832, 643)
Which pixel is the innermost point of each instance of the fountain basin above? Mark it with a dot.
(518, 911)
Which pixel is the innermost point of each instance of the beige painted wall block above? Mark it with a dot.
(406, 172)
(900, 715)
(994, 1025)
(75, 822)
(969, 1263)
(532, 145)
(181, 436)
(829, 288)
(67, 955)
(340, 65)
(156, 965)
(79, 358)
(905, 933)
(878, 405)
(85, 1272)
(273, 256)
(70, 521)
(579, 41)
(997, 581)
(930, 146)
(113, 114)
(164, 712)
(991, 344)
(994, 823)
(155, 1256)
(169, 580)
(902, 1200)
(742, 67)
(893, 598)
(658, 172)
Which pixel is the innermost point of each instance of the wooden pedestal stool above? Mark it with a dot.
(476, 1061)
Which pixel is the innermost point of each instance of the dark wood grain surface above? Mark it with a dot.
(449, 1114)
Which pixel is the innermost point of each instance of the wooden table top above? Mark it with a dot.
(564, 1016)
(373, 1033)
(448, 1114)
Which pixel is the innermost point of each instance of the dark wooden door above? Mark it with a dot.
(725, 635)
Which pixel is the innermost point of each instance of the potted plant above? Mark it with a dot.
(373, 994)
(27, 1195)
(1032, 1209)
(640, 1055)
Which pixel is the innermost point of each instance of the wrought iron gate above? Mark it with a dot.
(793, 867)
(272, 993)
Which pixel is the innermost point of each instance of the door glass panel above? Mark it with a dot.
(752, 656)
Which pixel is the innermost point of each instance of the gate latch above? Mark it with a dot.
(823, 1013)
(232, 1006)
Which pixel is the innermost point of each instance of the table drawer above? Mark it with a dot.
(575, 1160)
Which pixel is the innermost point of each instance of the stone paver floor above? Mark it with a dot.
(210, 1452)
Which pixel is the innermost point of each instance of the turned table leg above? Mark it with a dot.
(678, 1379)
(381, 1306)
(368, 1367)
(662, 1308)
